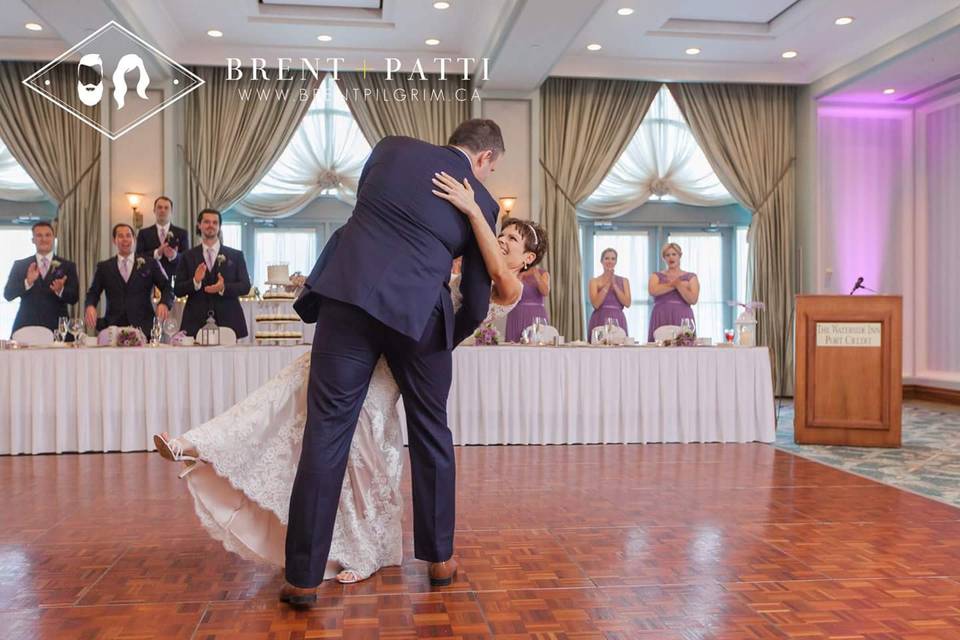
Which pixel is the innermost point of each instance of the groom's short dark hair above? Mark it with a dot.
(478, 135)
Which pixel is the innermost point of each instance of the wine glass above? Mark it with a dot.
(76, 329)
(63, 328)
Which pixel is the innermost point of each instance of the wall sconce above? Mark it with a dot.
(134, 199)
(506, 204)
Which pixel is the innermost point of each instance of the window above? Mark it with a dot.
(15, 183)
(662, 189)
(307, 194)
(324, 157)
(16, 242)
(296, 248)
(662, 162)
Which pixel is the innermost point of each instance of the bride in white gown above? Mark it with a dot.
(242, 463)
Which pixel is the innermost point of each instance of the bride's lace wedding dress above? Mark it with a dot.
(242, 494)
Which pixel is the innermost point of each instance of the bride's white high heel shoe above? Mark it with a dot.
(172, 450)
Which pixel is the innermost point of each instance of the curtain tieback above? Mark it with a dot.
(783, 174)
(76, 185)
(193, 172)
(557, 183)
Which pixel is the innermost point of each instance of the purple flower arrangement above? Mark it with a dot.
(685, 339)
(487, 335)
(130, 337)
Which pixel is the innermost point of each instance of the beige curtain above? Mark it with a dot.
(748, 133)
(585, 125)
(231, 143)
(426, 109)
(60, 153)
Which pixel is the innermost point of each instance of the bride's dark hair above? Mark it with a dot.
(534, 237)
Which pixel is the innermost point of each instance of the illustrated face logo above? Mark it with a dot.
(145, 81)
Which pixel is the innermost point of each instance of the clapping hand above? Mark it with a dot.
(200, 273)
(217, 287)
(33, 272)
(168, 252)
(57, 285)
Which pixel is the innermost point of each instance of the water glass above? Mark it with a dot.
(76, 329)
(156, 332)
(170, 327)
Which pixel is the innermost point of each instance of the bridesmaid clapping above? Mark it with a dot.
(609, 294)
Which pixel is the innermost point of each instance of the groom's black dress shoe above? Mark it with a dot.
(442, 573)
(297, 596)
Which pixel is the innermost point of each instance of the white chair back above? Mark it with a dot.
(616, 335)
(666, 332)
(33, 335)
(547, 333)
(228, 337)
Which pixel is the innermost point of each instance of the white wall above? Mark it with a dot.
(938, 240)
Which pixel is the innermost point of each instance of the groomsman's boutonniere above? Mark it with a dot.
(139, 262)
(55, 269)
(221, 259)
(172, 241)
(55, 264)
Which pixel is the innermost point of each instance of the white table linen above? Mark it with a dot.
(115, 399)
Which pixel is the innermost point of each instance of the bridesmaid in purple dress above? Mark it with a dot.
(609, 294)
(536, 287)
(674, 291)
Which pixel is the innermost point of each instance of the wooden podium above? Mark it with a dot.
(848, 370)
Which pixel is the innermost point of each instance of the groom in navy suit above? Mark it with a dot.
(381, 288)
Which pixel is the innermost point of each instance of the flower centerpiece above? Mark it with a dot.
(486, 335)
(683, 339)
(130, 337)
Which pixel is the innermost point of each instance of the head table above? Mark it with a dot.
(114, 399)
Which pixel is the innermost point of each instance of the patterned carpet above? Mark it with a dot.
(928, 463)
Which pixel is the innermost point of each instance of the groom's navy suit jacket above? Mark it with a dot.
(392, 258)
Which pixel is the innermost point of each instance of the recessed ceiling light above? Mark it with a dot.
(441, 5)
(693, 51)
(431, 42)
(788, 54)
(594, 47)
(33, 26)
(625, 11)
(324, 38)
(843, 21)
(889, 91)
(213, 33)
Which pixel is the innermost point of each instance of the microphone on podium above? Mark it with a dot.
(857, 285)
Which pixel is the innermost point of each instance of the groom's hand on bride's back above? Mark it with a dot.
(307, 304)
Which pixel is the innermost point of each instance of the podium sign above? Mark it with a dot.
(848, 370)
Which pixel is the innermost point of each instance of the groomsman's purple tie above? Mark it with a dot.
(210, 259)
(125, 269)
(44, 264)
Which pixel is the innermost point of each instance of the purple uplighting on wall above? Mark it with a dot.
(863, 154)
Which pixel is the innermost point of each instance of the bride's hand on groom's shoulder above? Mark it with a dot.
(459, 194)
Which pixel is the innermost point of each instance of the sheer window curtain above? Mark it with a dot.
(324, 156)
(15, 183)
(663, 162)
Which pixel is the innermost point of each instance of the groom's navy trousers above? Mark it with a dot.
(346, 346)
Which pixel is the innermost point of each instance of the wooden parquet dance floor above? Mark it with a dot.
(656, 541)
